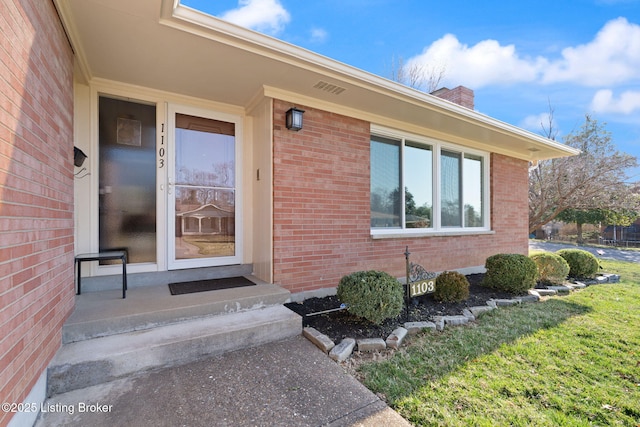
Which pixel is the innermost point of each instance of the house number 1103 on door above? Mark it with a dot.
(422, 287)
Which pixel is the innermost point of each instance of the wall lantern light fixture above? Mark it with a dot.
(78, 157)
(294, 119)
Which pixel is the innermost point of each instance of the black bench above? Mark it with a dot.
(104, 256)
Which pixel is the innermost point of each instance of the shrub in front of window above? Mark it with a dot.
(451, 286)
(513, 273)
(582, 264)
(552, 268)
(372, 295)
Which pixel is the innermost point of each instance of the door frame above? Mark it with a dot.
(169, 135)
(86, 190)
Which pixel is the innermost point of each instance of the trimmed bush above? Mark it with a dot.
(552, 268)
(513, 273)
(582, 264)
(372, 295)
(451, 286)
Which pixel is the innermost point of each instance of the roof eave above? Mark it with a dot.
(539, 147)
(180, 41)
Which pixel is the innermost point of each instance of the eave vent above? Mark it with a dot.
(328, 87)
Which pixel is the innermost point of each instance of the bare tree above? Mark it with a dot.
(426, 78)
(594, 179)
(549, 129)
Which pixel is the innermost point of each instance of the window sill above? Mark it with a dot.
(399, 234)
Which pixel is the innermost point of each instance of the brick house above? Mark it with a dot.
(176, 110)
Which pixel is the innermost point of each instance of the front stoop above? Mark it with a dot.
(99, 360)
(105, 313)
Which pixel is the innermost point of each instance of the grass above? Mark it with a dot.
(567, 361)
(212, 245)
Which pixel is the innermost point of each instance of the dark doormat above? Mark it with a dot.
(208, 285)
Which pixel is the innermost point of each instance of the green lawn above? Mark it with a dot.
(567, 361)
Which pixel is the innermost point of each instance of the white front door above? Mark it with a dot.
(204, 201)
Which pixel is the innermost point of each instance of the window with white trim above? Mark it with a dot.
(425, 186)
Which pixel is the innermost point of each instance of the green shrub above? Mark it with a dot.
(552, 268)
(373, 295)
(582, 264)
(451, 286)
(513, 273)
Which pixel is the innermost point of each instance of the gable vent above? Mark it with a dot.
(328, 87)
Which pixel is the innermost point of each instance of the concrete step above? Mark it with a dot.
(100, 360)
(105, 313)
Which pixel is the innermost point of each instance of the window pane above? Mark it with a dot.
(450, 212)
(385, 183)
(205, 152)
(418, 166)
(473, 185)
(127, 178)
(205, 187)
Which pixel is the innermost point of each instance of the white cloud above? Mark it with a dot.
(318, 35)
(535, 122)
(267, 16)
(604, 102)
(483, 64)
(612, 57)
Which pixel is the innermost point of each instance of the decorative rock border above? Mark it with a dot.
(342, 351)
(345, 348)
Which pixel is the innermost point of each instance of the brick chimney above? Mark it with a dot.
(460, 95)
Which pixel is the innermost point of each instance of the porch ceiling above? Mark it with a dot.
(151, 43)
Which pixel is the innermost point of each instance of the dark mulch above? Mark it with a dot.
(340, 324)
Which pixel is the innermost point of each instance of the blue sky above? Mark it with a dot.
(519, 57)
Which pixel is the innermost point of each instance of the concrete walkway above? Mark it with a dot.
(287, 383)
(604, 253)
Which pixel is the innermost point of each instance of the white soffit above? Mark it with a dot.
(163, 45)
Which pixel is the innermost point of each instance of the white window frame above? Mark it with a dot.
(436, 229)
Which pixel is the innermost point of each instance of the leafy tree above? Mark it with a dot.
(420, 215)
(594, 179)
(409, 202)
(625, 208)
(423, 211)
(625, 217)
(581, 217)
(471, 217)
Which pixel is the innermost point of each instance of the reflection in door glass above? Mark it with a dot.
(204, 188)
(127, 178)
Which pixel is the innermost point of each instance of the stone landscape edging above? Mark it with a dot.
(345, 348)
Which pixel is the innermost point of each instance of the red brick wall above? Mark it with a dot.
(36, 192)
(321, 208)
(510, 203)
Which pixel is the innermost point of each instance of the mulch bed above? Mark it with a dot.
(340, 324)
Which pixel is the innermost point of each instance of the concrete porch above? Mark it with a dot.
(104, 313)
(108, 337)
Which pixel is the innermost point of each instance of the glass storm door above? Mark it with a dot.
(203, 199)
